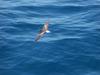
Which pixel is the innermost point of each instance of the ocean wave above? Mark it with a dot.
(72, 47)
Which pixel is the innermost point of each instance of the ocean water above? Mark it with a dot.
(72, 47)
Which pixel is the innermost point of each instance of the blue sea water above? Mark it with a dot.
(72, 47)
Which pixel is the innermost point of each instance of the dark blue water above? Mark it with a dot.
(72, 47)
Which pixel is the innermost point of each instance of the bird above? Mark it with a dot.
(42, 31)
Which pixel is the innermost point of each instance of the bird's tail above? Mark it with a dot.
(47, 31)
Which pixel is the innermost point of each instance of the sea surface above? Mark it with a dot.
(72, 47)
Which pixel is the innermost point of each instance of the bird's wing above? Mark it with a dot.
(46, 26)
(39, 36)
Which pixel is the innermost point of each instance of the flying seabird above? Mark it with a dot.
(42, 31)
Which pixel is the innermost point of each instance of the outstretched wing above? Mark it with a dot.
(46, 26)
(39, 36)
